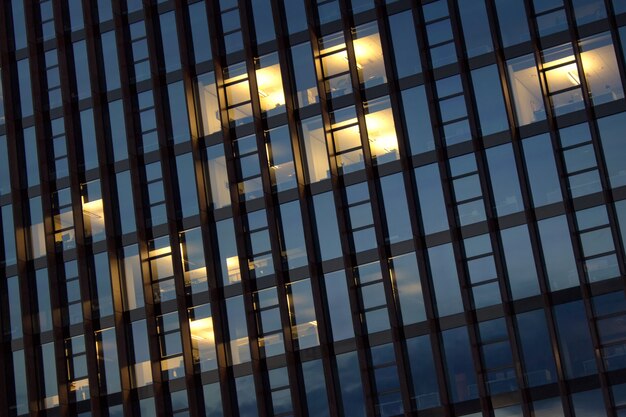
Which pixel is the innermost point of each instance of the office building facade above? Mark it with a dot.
(313, 208)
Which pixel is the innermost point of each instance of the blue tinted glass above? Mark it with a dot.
(619, 7)
(76, 14)
(407, 280)
(296, 15)
(263, 21)
(104, 10)
(338, 305)
(425, 388)
(315, 387)
(19, 24)
(445, 280)
(520, 263)
(43, 300)
(90, 150)
(187, 185)
(460, 368)
(513, 22)
(293, 234)
(396, 209)
(573, 331)
(26, 98)
(589, 404)
(587, 11)
(304, 74)
(475, 27)
(489, 100)
(350, 384)
(200, 32)
(558, 253)
(21, 390)
(417, 119)
(405, 47)
(212, 400)
(100, 274)
(612, 134)
(541, 169)
(30, 152)
(5, 180)
(169, 38)
(246, 398)
(178, 112)
(8, 233)
(228, 251)
(536, 349)
(118, 130)
(327, 228)
(81, 65)
(125, 202)
(432, 203)
(109, 54)
(507, 195)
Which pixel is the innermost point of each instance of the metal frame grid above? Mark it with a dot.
(160, 391)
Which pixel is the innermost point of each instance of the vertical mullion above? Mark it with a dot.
(272, 210)
(530, 214)
(41, 115)
(77, 175)
(455, 229)
(569, 209)
(571, 218)
(492, 216)
(218, 310)
(304, 197)
(15, 148)
(107, 174)
(168, 170)
(337, 182)
(247, 284)
(136, 163)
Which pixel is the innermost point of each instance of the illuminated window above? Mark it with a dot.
(161, 269)
(270, 84)
(381, 130)
(202, 337)
(93, 212)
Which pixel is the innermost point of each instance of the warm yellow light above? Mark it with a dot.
(160, 251)
(93, 208)
(383, 144)
(232, 267)
(202, 329)
(269, 83)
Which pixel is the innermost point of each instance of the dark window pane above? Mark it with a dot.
(488, 95)
(541, 169)
(445, 280)
(558, 254)
(587, 11)
(187, 185)
(315, 387)
(520, 263)
(432, 203)
(169, 38)
(536, 348)
(405, 49)
(263, 21)
(475, 27)
(507, 195)
(109, 55)
(573, 331)
(396, 209)
(513, 21)
(417, 119)
(460, 368)
(296, 15)
(350, 384)
(200, 32)
(612, 134)
(425, 388)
